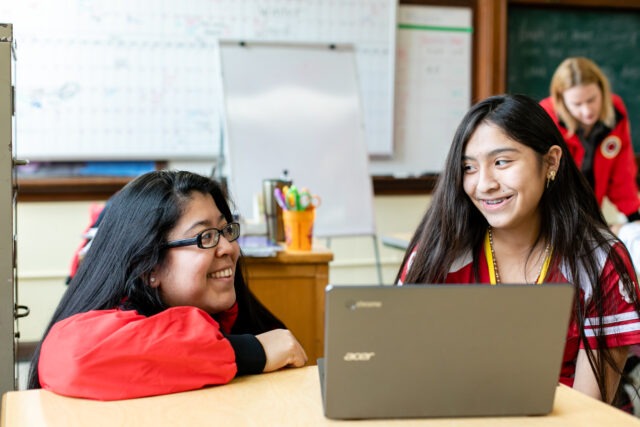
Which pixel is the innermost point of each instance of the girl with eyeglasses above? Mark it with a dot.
(159, 304)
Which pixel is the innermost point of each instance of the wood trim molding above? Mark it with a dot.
(101, 188)
(390, 186)
(490, 47)
(68, 189)
(72, 188)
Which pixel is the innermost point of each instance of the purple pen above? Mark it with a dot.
(277, 193)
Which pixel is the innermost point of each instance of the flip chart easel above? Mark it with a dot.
(297, 107)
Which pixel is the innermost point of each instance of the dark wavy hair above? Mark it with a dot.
(128, 245)
(570, 216)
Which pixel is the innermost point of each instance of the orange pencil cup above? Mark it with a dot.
(298, 229)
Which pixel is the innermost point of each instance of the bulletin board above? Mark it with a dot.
(119, 80)
(297, 107)
(433, 86)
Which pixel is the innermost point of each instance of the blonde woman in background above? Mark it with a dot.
(595, 125)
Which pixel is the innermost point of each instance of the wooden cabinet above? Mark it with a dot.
(292, 285)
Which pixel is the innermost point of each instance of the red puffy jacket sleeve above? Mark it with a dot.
(115, 354)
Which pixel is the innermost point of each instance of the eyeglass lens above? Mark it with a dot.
(210, 238)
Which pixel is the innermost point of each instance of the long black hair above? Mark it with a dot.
(128, 245)
(570, 217)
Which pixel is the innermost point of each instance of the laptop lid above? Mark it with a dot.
(443, 350)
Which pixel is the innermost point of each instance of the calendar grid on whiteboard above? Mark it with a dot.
(433, 86)
(117, 79)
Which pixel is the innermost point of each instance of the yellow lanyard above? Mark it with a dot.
(490, 262)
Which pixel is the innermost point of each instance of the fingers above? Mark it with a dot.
(282, 349)
(299, 355)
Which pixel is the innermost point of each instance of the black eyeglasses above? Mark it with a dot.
(208, 238)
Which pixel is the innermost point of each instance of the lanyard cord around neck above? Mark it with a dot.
(494, 274)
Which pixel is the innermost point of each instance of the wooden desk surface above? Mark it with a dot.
(316, 255)
(286, 398)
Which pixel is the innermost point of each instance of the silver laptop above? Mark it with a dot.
(443, 350)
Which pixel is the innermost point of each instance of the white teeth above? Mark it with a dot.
(494, 202)
(227, 272)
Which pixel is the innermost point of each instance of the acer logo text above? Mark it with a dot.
(358, 357)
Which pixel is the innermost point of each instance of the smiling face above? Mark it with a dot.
(504, 179)
(197, 277)
(584, 103)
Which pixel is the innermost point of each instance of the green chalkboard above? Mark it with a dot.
(540, 38)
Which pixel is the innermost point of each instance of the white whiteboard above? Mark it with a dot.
(297, 107)
(433, 86)
(136, 79)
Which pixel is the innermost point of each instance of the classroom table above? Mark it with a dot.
(289, 397)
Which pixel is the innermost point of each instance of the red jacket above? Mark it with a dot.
(117, 354)
(614, 164)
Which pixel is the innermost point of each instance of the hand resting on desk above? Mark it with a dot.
(282, 350)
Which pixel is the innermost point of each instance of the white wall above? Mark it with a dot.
(49, 233)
